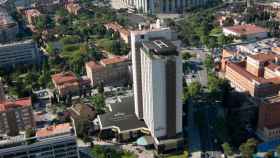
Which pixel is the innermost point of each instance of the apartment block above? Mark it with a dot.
(56, 141)
(16, 116)
(109, 71)
(20, 52)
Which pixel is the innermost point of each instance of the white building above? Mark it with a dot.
(21, 52)
(136, 38)
(157, 81)
(247, 31)
(57, 141)
(165, 6)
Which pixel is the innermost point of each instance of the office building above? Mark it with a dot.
(56, 141)
(21, 52)
(109, 71)
(157, 81)
(165, 6)
(16, 116)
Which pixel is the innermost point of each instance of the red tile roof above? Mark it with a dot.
(23, 102)
(246, 29)
(263, 57)
(93, 65)
(114, 60)
(108, 61)
(243, 72)
(54, 130)
(32, 12)
(118, 28)
(64, 78)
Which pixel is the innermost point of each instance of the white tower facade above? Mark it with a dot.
(157, 85)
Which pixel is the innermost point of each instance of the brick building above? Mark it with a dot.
(256, 74)
(108, 71)
(269, 120)
(16, 116)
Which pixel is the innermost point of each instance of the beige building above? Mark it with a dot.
(108, 71)
(123, 32)
(32, 15)
(73, 8)
(16, 116)
(65, 83)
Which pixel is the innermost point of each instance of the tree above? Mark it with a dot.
(194, 89)
(98, 102)
(186, 56)
(248, 148)
(82, 128)
(208, 62)
(227, 149)
(278, 150)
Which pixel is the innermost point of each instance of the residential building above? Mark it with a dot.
(109, 71)
(73, 8)
(82, 111)
(16, 116)
(32, 15)
(123, 32)
(67, 83)
(165, 6)
(56, 141)
(20, 52)
(8, 26)
(246, 31)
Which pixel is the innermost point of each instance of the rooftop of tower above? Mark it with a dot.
(160, 46)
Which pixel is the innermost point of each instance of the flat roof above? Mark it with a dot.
(160, 46)
(122, 116)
